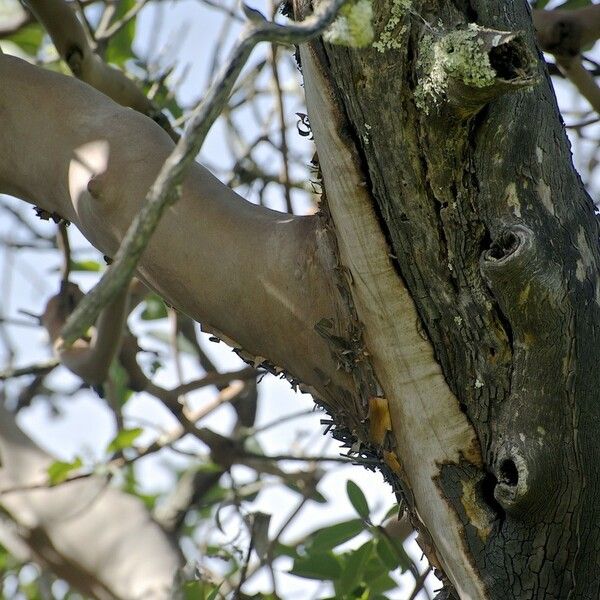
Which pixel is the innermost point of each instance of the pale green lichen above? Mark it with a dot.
(353, 26)
(391, 36)
(459, 55)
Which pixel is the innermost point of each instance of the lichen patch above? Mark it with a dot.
(459, 55)
(353, 26)
(391, 36)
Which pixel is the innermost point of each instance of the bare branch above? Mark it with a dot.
(282, 130)
(97, 538)
(65, 247)
(36, 369)
(73, 45)
(100, 160)
(581, 78)
(116, 26)
(567, 32)
(165, 190)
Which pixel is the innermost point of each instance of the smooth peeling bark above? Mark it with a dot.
(491, 230)
(254, 275)
(428, 426)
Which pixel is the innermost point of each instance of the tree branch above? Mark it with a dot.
(97, 538)
(211, 251)
(581, 78)
(106, 33)
(427, 423)
(37, 369)
(74, 47)
(567, 32)
(165, 189)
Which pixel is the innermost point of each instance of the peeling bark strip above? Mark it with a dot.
(495, 238)
(427, 423)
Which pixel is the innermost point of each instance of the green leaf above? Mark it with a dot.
(357, 498)
(334, 535)
(354, 568)
(392, 512)
(164, 98)
(220, 552)
(120, 382)
(212, 595)
(323, 566)
(253, 445)
(154, 308)
(313, 495)
(258, 525)
(28, 38)
(571, 4)
(199, 590)
(119, 48)
(90, 266)
(124, 439)
(280, 549)
(376, 576)
(391, 552)
(59, 471)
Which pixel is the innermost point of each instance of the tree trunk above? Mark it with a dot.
(442, 306)
(492, 233)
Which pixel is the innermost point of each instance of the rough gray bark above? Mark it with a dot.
(496, 240)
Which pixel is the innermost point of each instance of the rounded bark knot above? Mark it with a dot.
(94, 186)
(510, 252)
(512, 487)
(74, 58)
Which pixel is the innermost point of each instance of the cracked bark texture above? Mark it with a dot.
(496, 240)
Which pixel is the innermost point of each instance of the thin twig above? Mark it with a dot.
(280, 420)
(294, 458)
(579, 76)
(419, 583)
(238, 590)
(65, 248)
(19, 322)
(283, 145)
(285, 169)
(35, 369)
(114, 28)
